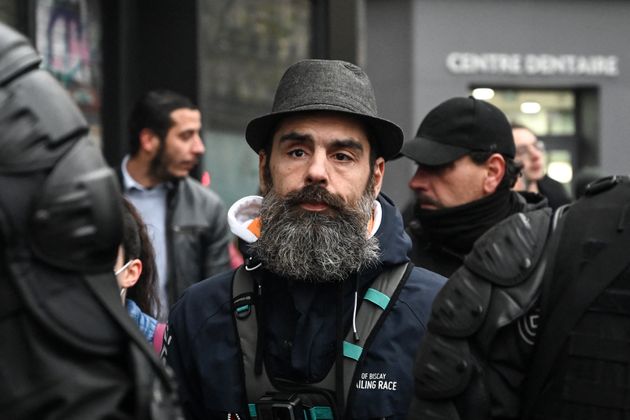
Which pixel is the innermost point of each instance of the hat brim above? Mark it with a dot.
(431, 153)
(388, 136)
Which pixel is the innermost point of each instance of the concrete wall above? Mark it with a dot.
(408, 42)
(389, 66)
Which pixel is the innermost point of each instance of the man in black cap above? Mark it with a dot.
(465, 155)
(489, 241)
(324, 319)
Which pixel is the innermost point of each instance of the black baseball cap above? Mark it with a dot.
(457, 127)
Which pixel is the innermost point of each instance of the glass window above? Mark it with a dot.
(546, 112)
(559, 167)
(245, 47)
(550, 114)
(8, 12)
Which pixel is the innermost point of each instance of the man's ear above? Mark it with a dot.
(262, 167)
(131, 275)
(149, 141)
(495, 171)
(379, 172)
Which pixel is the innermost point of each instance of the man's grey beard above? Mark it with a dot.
(315, 246)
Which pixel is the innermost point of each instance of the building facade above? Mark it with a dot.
(570, 57)
(566, 57)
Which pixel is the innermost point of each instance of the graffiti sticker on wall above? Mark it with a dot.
(68, 36)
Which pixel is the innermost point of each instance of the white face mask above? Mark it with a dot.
(123, 290)
(123, 268)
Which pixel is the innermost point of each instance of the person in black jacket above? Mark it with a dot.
(489, 240)
(69, 350)
(186, 221)
(465, 156)
(530, 152)
(326, 252)
(579, 369)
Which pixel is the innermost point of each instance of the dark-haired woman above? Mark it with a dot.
(136, 276)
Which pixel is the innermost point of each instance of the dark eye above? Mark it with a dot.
(296, 153)
(342, 156)
(187, 135)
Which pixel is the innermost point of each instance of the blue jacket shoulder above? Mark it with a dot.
(422, 287)
(201, 302)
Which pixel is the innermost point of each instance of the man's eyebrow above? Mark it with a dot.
(295, 136)
(349, 143)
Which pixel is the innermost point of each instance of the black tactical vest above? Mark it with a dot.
(581, 366)
(472, 362)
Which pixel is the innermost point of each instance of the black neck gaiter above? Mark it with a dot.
(457, 228)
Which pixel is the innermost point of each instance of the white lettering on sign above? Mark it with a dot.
(376, 381)
(533, 64)
(488, 63)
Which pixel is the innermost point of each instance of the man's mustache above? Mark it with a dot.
(314, 193)
(422, 198)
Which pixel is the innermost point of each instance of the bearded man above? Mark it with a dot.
(186, 221)
(326, 315)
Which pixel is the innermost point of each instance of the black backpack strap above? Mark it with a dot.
(378, 301)
(243, 302)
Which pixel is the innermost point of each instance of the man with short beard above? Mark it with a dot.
(287, 335)
(186, 221)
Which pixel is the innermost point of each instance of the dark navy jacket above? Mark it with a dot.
(202, 346)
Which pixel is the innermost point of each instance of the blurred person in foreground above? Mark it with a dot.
(530, 152)
(583, 177)
(489, 240)
(69, 350)
(580, 369)
(186, 221)
(326, 315)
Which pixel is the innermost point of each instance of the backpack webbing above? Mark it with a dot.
(379, 295)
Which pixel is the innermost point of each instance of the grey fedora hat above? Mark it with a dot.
(326, 85)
